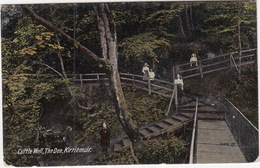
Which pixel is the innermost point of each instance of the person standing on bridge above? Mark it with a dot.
(146, 71)
(104, 138)
(179, 84)
(193, 59)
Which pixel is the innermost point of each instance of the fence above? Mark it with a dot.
(244, 132)
(151, 85)
(194, 135)
(217, 63)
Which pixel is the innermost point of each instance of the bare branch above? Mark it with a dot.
(67, 86)
(71, 40)
(42, 63)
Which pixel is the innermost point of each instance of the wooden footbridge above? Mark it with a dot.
(214, 139)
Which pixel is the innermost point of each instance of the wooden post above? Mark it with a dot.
(239, 72)
(255, 64)
(81, 80)
(184, 130)
(170, 104)
(230, 59)
(234, 63)
(200, 68)
(176, 98)
(149, 85)
(173, 73)
(133, 77)
(98, 78)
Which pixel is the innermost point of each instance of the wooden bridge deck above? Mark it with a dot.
(215, 142)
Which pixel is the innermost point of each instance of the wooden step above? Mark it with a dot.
(163, 124)
(187, 110)
(170, 123)
(178, 119)
(144, 132)
(190, 115)
(172, 120)
(154, 128)
(212, 116)
(181, 118)
(191, 103)
(148, 130)
(208, 108)
(183, 115)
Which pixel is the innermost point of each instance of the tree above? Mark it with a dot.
(108, 36)
(222, 20)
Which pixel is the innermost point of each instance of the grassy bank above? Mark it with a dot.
(242, 93)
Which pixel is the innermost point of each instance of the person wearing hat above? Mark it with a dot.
(145, 71)
(179, 83)
(104, 138)
(193, 59)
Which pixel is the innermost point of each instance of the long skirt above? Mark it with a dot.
(146, 75)
(193, 59)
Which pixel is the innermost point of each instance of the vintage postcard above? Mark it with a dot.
(129, 83)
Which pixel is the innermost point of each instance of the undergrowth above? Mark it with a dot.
(242, 93)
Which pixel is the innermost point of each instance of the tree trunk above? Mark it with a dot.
(108, 36)
(187, 19)
(191, 18)
(239, 40)
(181, 26)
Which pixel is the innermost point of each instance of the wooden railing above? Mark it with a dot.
(157, 86)
(217, 63)
(244, 132)
(192, 158)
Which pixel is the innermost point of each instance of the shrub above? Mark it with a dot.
(168, 151)
(162, 151)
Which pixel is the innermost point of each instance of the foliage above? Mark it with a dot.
(25, 95)
(162, 151)
(168, 151)
(242, 93)
(221, 24)
(123, 156)
(143, 109)
(22, 111)
(143, 48)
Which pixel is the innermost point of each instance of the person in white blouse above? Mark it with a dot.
(193, 59)
(179, 84)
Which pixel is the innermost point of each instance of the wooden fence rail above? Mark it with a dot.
(157, 86)
(244, 132)
(192, 157)
(217, 63)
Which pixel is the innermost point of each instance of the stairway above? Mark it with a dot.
(166, 125)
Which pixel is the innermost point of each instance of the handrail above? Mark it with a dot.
(241, 114)
(140, 76)
(151, 85)
(245, 133)
(207, 62)
(192, 146)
